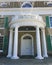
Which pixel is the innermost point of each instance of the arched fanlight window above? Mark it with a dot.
(27, 37)
(4, 4)
(49, 3)
(26, 4)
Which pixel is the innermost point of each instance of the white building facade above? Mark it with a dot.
(26, 29)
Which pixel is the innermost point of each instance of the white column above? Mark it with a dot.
(10, 43)
(44, 47)
(39, 56)
(15, 51)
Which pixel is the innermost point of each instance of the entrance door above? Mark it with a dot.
(26, 46)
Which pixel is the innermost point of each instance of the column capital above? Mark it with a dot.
(17, 26)
(37, 27)
(11, 29)
(43, 29)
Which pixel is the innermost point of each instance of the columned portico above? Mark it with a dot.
(37, 21)
(39, 56)
(44, 47)
(15, 50)
(38, 43)
(10, 43)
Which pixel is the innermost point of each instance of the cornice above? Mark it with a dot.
(19, 11)
(21, 0)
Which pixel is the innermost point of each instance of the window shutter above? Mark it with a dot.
(47, 21)
(5, 47)
(48, 42)
(6, 22)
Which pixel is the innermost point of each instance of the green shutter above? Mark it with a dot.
(6, 22)
(48, 40)
(47, 21)
(5, 47)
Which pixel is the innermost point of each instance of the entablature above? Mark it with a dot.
(19, 11)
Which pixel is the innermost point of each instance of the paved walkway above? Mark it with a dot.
(7, 61)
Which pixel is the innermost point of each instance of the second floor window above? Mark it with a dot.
(26, 5)
(49, 4)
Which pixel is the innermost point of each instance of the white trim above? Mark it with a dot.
(1, 50)
(34, 11)
(26, 31)
(22, 0)
(2, 28)
(1, 35)
(32, 41)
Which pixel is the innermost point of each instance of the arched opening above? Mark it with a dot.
(26, 4)
(49, 4)
(27, 46)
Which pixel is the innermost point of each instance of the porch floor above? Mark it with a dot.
(21, 61)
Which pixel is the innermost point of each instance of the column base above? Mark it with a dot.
(39, 57)
(46, 56)
(14, 57)
(8, 56)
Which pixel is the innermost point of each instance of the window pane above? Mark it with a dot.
(49, 4)
(26, 28)
(27, 5)
(1, 43)
(27, 37)
(51, 40)
(51, 21)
